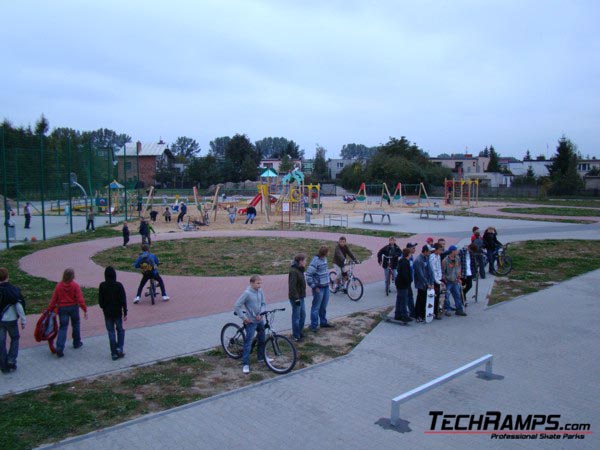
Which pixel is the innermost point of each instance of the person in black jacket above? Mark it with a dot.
(113, 301)
(491, 243)
(403, 284)
(297, 293)
(387, 258)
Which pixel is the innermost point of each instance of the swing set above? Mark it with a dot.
(404, 195)
(464, 191)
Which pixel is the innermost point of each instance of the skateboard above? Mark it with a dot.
(429, 312)
(391, 319)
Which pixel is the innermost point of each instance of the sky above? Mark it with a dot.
(452, 76)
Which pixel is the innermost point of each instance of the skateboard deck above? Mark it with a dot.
(430, 301)
(391, 319)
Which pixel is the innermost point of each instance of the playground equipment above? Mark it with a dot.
(463, 190)
(410, 195)
(370, 194)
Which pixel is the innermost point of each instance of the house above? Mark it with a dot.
(539, 168)
(335, 166)
(463, 164)
(585, 165)
(308, 165)
(139, 161)
(275, 163)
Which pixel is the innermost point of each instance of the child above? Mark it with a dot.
(113, 301)
(153, 215)
(11, 309)
(125, 234)
(231, 211)
(167, 214)
(248, 307)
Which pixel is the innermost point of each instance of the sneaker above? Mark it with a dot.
(166, 298)
(461, 313)
(270, 360)
(246, 369)
(121, 354)
(327, 325)
(12, 367)
(114, 357)
(314, 330)
(5, 370)
(136, 299)
(78, 345)
(297, 339)
(59, 353)
(448, 314)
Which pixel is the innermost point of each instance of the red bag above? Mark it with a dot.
(47, 328)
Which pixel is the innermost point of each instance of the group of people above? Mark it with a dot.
(250, 213)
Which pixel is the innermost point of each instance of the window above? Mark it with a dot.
(340, 165)
(584, 167)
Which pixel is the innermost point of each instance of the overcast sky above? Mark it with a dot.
(448, 75)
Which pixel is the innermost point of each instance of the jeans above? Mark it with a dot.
(401, 304)
(491, 254)
(116, 340)
(154, 276)
(64, 314)
(411, 303)
(386, 273)
(421, 303)
(298, 318)
(125, 239)
(231, 218)
(250, 329)
(250, 218)
(454, 289)
(480, 265)
(90, 224)
(27, 220)
(318, 309)
(11, 328)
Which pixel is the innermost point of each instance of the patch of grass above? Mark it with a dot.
(47, 415)
(534, 219)
(222, 256)
(342, 230)
(540, 264)
(38, 291)
(555, 211)
(583, 202)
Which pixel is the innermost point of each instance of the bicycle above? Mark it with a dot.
(502, 262)
(280, 353)
(151, 290)
(389, 274)
(350, 285)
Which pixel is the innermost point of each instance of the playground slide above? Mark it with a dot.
(253, 202)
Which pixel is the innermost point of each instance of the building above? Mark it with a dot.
(335, 166)
(275, 163)
(585, 165)
(462, 165)
(308, 165)
(520, 168)
(142, 159)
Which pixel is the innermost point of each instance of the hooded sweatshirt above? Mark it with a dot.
(11, 303)
(67, 294)
(111, 296)
(250, 304)
(296, 282)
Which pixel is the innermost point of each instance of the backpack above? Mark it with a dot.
(146, 263)
(47, 328)
(143, 228)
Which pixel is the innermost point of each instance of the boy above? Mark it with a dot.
(248, 307)
(11, 308)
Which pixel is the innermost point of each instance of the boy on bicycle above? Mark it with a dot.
(147, 262)
(248, 307)
(342, 252)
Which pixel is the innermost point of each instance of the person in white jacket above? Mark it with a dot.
(435, 262)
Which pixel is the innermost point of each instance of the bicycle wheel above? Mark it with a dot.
(503, 265)
(354, 289)
(280, 354)
(333, 282)
(232, 340)
(152, 291)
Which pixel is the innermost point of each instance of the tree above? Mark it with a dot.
(320, 171)
(185, 148)
(595, 172)
(204, 171)
(275, 148)
(356, 151)
(105, 138)
(494, 164)
(563, 170)
(42, 126)
(242, 157)
(485, 153)
(540, 158)
(286, 164)
(218, 146)
(527, 156)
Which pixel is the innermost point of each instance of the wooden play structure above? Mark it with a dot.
(376, 194)
(462, 191)
(410, 195)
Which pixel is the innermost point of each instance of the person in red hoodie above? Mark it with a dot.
(67, 299)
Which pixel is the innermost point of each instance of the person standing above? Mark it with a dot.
(296, 294)
(167, 214)
(231, 210)
(411, 297)
(153, 214)
(144, 231)
(479, 245)
(182, 212)
(12, 308)
(67, 299)
(125, 234)
(318, 279)
(113, 301)
(27, 213)
(435, 262)
(451, 271)
(491, 242)
(387, 258)
(250, 214)
(90, 220)
(403, 283)
(423, 281)
(468, 268)
(248, 307)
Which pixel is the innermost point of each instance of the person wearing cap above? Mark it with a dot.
(451, 271)
(411, 260)
(423, 281)
(436, 266)
(387, 258)
(429, 242)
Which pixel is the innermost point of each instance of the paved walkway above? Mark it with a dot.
(541, 349)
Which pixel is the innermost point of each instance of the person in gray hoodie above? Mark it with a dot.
(451, 271)
(249, 307)
(113, 301)
(317, 277)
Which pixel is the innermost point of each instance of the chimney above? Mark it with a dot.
(138, 147)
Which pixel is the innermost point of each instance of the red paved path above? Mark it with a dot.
(190, 296)
(495, 211)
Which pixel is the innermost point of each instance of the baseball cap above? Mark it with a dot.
(409, 245)
(429, 240)
(452, 248)
(425, 248)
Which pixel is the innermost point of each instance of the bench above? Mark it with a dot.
(424, 213)
(370, 215)
(341, 219)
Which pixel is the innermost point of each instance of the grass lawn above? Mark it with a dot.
(566, 202)
(223, 256)
(555, 211)
(534, 219)
(541, 264)
(342, 230)
(59, 411)
(38, 291)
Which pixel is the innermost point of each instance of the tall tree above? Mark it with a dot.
(185, 148)
(527, 156)
(563, 170)
(241, 154)
(204, 171)
(356, 151)
(276, 147)
(494, 164)
(105, 138)
(320, 172)
(42, 126)
(218, 146)
(485, 153)
(286, 164)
